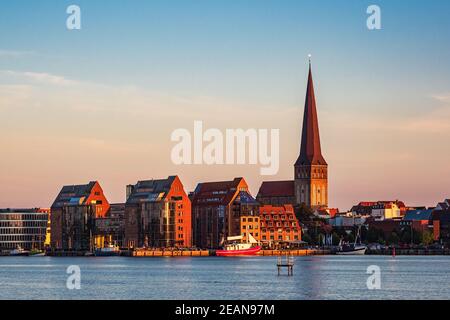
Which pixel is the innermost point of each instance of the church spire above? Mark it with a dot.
(310, 151)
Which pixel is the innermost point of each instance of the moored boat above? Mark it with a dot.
(36, 253)
(108, 251)
(352, 248)
(19, 251)
(235, 248)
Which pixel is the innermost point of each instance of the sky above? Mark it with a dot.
(100, 103)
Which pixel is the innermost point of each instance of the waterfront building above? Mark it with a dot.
(385, 210)
(246, 208)
(422, 217)
(310, 184)
(279, 225)
(380, 210)
(250, 225)
(363, 208)
(110, 229)
(325, 213)
(73, 215)
(157, 214)
(441, 225)
(218, 209)
(25, 228)
(346, 221)
(276, 193)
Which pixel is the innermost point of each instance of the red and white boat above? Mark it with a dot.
(235, 248)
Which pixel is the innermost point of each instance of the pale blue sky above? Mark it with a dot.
(248, 53)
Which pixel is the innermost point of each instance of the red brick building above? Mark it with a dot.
(73, 215)
(218, 209)
(279, 225)
(276, 193)
(158, 214)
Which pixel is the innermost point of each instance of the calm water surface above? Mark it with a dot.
(316, 277)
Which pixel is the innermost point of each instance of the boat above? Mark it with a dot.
(352, 248)
(36, 253)
(19, 251)
(235, 248)
(108, 251)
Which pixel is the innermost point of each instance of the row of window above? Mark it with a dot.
(280, 238)
(275, 217)
(280, 231)
(279, 224)
(23, 230)
(22, 216)
(27, 238)
(18, 224)
(250, 226)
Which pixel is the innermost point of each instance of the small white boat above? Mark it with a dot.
(39, 254)
(108, 251)
(36, 253)
(353, 248)
(19, 251)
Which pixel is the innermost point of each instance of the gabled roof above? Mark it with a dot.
(216, 193)
(73, 194)
(150, 190)
(244, 197)
(310, 150)
(414, 215)
(443, 205)
(276, 189)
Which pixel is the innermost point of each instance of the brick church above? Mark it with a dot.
(310, 184)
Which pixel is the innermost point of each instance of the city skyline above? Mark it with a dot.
(115, 89)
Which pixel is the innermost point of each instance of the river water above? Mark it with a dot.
(315, 277)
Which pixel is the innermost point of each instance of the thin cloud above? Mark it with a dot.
(15, 53)
(442, 97)
(39, 77)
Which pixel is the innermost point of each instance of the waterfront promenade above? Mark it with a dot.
(263, 253)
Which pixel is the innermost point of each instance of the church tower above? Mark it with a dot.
(311, 169)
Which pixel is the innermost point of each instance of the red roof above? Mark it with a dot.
(276, 189)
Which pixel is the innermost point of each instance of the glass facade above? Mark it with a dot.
(25, 228)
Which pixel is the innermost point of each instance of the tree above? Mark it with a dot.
(427, 237)
(304, 213)
(393, 238)
(375, 235)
